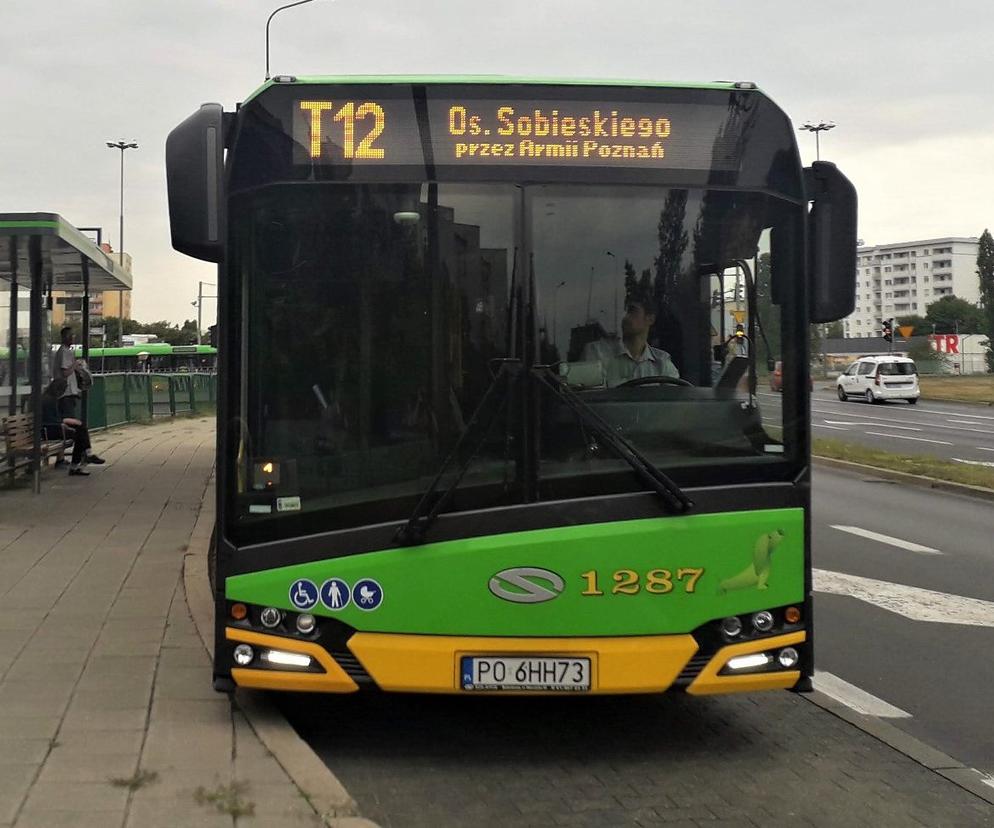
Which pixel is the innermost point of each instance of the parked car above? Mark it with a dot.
(879, 378)
(776, 378)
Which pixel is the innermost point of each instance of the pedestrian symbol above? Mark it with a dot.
(367, 594)
(335, 594)
(303, 594)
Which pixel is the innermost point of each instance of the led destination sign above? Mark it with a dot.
(514, 132)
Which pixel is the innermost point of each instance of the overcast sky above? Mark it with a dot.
(911, 87)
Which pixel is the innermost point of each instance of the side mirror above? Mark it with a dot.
(831, 242)
(195, 183)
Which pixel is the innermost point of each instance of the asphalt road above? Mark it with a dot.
(897, 634)
(962, 431)
(940, 673)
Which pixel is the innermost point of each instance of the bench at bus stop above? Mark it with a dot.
(18, 439)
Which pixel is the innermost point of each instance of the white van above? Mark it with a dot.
(879, 378)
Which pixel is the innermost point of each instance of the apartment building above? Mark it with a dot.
(900, 279)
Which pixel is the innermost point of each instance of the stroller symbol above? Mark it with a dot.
(367, 594)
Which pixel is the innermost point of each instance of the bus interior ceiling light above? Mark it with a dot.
(285, 659)
(747, 662)
(406, 217)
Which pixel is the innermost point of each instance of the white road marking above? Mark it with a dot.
(890, 420)
(987, 780)
(876, 536)
(903, 411)
(905, 437)
(912, 602)
(822, 425)
(854, 698)
(974, 462)
(983, 449)
(966, 422)
(846, 422)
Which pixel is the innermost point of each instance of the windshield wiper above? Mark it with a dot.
(669, 492)
(479, 426)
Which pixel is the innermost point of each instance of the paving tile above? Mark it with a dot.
(28, 727)
(82, 797)
(105, 720)
(71, 819)
(22, 751)
(74, 765)
(15, 782)
(101, 742)
(156, 814)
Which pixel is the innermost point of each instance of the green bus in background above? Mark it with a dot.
(486, 419)
(155, 357)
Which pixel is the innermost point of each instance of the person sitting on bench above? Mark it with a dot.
(55, 427)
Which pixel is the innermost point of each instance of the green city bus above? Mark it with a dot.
(156, 357)
(487, 419)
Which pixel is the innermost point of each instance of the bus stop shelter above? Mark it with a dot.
(41, 253)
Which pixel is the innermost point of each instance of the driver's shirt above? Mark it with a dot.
(620, 366)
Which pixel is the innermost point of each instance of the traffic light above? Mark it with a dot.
(212, 335)
(889, 330)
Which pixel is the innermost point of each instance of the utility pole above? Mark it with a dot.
(122, 146)
(200, 303)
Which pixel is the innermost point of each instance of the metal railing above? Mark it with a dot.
(116, 399)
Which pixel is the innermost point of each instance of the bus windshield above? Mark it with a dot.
(376, 316)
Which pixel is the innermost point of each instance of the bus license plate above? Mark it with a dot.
(564, 674)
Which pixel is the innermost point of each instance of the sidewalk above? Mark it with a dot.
(108, 719)
(107, 716)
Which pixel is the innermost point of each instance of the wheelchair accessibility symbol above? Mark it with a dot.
(303, 594)
(367, 594)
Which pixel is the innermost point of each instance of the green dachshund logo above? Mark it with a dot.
(758, 572)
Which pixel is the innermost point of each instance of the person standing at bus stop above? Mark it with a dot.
(64, 367)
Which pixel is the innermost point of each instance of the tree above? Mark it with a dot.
(951, 314)
(985, 272)
(835, 330)
(928, 360)
(922, 327)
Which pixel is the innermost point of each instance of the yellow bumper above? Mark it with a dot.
(430, 663)
(708, 682)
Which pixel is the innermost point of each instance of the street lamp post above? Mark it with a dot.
(817, 129)
(270, 20)
(199, 302)
(122, 146)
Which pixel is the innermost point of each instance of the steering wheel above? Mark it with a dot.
(640, 381)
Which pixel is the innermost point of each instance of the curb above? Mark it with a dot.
(905, 477)
(969, 779)
(317, 784)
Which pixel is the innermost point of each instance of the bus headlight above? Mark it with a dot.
(731, 626)
(749, 662)
(763, 621)
(788, 657)
(244, 655)
(305, 623)
(270, 617)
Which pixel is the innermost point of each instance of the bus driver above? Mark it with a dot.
(632, 357)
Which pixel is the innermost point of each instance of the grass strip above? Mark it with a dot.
(975, 388)
(919, 464)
